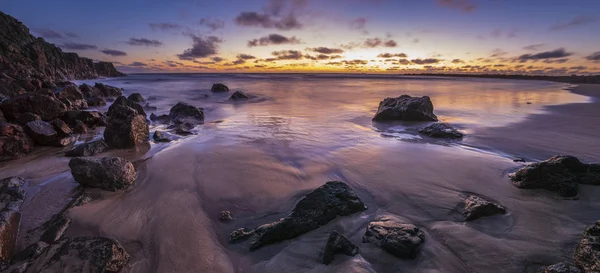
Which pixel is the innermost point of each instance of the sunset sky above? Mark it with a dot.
(372, 36)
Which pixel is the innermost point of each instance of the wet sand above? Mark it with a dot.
(168, 221)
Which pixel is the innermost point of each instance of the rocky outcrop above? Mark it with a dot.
(160, 119)
(126, 127)
(14, 143)
(238, 95)
(559, 174)
(183, 113)
(108, 91)
(337, 244)
(441, 130)
(219, 87)
(160, 136)
(109, 173)
(12, 196)
(25, 118)
(123, 101)
(136, 97)
(405, 108)
(72, 97)
(477, 207)
(47, 107)
(88, 149)
(334, 199)
(43, 133)
(401, 240)
(561, 268)
(89, 118)
(26, 60)
(89, 91)
(587, 253)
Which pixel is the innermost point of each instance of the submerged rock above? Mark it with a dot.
(238, 95)
(109, 173)
(559, 174)
(401, 240)
(12, 196)
(316, 209)
(46, 107)
(441, 130)
(477, 207)
(88, 149)
(405, 108)
(14, 143)
(160, 119)
(160, 136)
(225, 216)
(136, 97)
(337, 244)
(561, 268)
(126, 128)
(219, 87)
(587, 253)
(183, 113)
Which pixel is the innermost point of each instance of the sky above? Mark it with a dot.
(550, 37)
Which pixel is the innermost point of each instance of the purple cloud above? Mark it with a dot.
(273, 39)
(202, 47)
(143, 42)
(113, 52)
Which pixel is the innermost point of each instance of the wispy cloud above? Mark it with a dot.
(273, 39)
(595, 57)
(77, 46)
(212, 24)
(143, 42)
(554, 54)
(577, 21)
(113, 52)
(534, 47)
(463, 5)
(165, 26)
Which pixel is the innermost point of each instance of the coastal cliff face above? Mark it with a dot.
(27, 61)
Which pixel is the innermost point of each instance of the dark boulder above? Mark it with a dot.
(316, 209)
(43, 133)
(477, 207)
(225, 216)
(95, 101)
(441, 130)
(88, 149)
(136, 97)
(401, 240)
(183, 113)
(160, 119)
(14, 143)
(337, 244)
(561, 268)
(89, 91)
(160, 136)
(12, 196)
(55, 229)
(150, 107)
(61, 128)
(89, 118)
(49, 85)
(123, 101)
(405, 108)
(219, 87)
(45, 91)
(80, 127)
(72, 94)
(238, 95)
(587, 253)
(46, 107)
(25, 118)
(559, 174)
(109, 173)
(126, 128)
(108, 91)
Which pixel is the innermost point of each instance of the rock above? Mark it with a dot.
(149, 107)
(45, 91)
(126, 128)
(47, 107)
(73, 95)
(49, 85)
(14, 143)
(136, 97)
(219, 87)
(559, 174)
(337, 244)
(238, 95)
(89, 91)
(160, 119)
(109, 173)
(561, 268)
(61, 128)
(316, 209)
(25, 118)
(108, 91)
(89, 149)
(123, 101)
(29, 253)
(80, 127)
(401, 240)
(95, 101)
(441, 130)
(81, 255)
(160, 136)
(56, 229)
(405, 108)
(43, 133)
(184, 113)
(587, 253)
(225, 216)
(240, 235)
(477, 207)
(12, 196)
(89, 118)
(106, 69)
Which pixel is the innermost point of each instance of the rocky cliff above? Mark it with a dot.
(26, 60)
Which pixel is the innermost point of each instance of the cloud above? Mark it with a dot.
(217, 59)
(212, 24)
(113, 52)
(202, 47)
(534, 47)
(359, 24)
(327, 50)
(143, 42)
(245, 57)
(595, 57)
(356, 62)
(288, 55)
(577, 21)
(425, 61)
(71, 34)
(554, 54)
(391, 55)
(48, 33)
(174, 63)
(390, 43)
(137, 64)
(77, 46)
(463, 5)
(458, 61)
(273, 39)
(254, 19)
(403, 62)
(377, 42)
(164, 26)
(498, 53)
